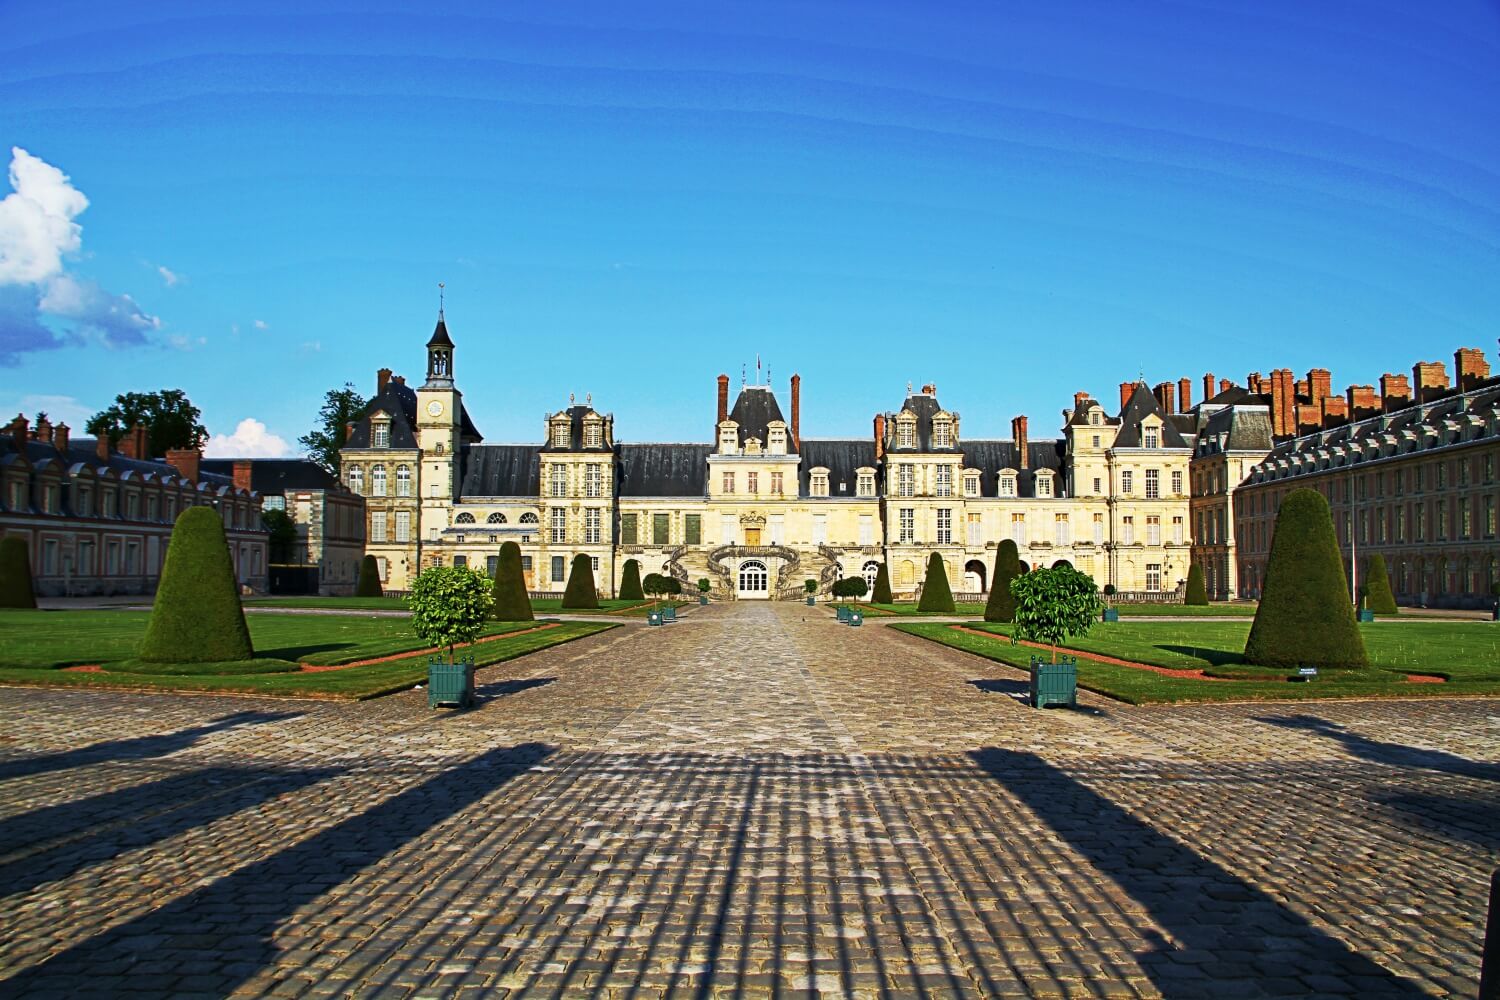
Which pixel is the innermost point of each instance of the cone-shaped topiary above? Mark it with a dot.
(882, 592)
(369, 579)
(1001, 607)
(1377, 586)
(580, 593)
(15, 574)
(1197, 593)
(630, 584)
(197, 614)
(512, 603)
(1305, 617)
(936, 594)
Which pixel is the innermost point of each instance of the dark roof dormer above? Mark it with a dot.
(922, 425)
(440, 356)
(580, 428)
(755, 411)
(1143, 409)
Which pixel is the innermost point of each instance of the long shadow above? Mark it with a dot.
(1396, 754)
(1001, 685)
(228, 925)
(500, 689)
(69, 837)
(1206, 911)
(299, 651)
(137, 747)
(1217, 657)
(1449, 816)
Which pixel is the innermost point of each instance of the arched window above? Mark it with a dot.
(870, 571)
(403, 480)
(528, 518)
(495, 518)
(377, 481)
(464, 518)
(357, 479)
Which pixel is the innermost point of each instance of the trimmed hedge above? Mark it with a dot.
(369, 579)
(197, 614)
(1197, 593)
(1001, 607)
(630, 583)
(580, 593)
(1305, 617)
(15, 574)
(1377, 586)
(882, 592)
(512, 603)
(936, 594)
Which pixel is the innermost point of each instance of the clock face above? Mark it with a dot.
(435, 408)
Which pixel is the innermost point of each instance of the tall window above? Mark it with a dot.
(377, 526)
(728, 482)
(661, 529)
(593, 434)
(819, 529)
(627, 529)
(907, 524)
(776, 483)
(906, 433)
(727, 531)
(1177, 482)
(1153, 484)
(559, 525)
(558, 572)
(942, 434)
(1127, 481)
(403, 480)
(591, 525)
(1098, 529)
(381, 434)
(945, 526)
(752, 483)
(1127, 530)
(1153, 530)
(1176, 531)
(377, 481)
(1153, 576)
(1062, 530)
(906, 480)
(776, 528)
(976, 529)
(1018, 528)
(866, 529)
(866, 484)
(1153, 438)
(558, 478)
(403, 525)
(692, 529)
(593, 480)
(945, 480)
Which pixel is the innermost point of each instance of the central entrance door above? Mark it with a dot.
(752, 536)
(755, 581)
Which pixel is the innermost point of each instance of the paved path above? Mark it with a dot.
(753, 801)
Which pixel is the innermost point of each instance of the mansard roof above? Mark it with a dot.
(576, 414)
(1235, 428)
(83, 451)
(989, 457)
(755, 410)
(1141, 405)
(274, 476)
(924, 406)
(842, 458)
(399, 402)
(500, 470)
(662, 470)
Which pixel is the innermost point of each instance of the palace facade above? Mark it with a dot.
(758, 508)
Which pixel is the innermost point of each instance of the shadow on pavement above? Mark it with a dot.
(1395, 754)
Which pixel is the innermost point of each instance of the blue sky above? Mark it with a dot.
(1015, 201)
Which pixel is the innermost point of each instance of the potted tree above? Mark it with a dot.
(811, 587)
(1052, 605)
(672, 587)
(449, 606)
(840, 591)
(1495, 593)
(855, 587)
(1365, 614)
(654, 587)
(703, 588)
(1111, 613)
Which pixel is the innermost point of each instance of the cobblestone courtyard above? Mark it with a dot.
(752, 801)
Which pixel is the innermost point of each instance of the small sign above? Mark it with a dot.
(1307, 671)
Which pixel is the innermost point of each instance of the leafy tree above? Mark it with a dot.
(1377, 588)
(340, 408)
(449, 605)
(368, 584)
(630, 583)
(936, 594)
(15, 573)
(882, 593)
(654, 585)
(1001, 607)
(580, 593)
(1305, 617)
(197, 615)
(704, 586)
(1054, 604)
(170, 419)
(1197, 593)
(851, 586)
(810, 586)
(512, 602)
(282, 534)
(674, 586)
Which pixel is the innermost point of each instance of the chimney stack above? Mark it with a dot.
(1208, 386)
(1319, 385)
(1363, 401)
(185, 461)
(1429, 379)
(1079, 398)
(1184, 394)
(1309, 418)
(133, 444)
(1395, 392)
(101, 447)
(1335, 411)
(1283, 403)
(1127, 389)
(1254, 383)
(1018, 432)
(44, 430)
(242, 475)
(20, 432)
(1166, 397)
(929, 389)
(879, 436)
(60, 439)
(382, 379)
(1469, 368)
(797, 412)
(1225, 385)
(723, 404)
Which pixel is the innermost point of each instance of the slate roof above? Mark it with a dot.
(440, 336)
(575, 433)
(500, 470)
(1081, 413)
(754, 410)
(81, 451)
(925, 407)
(989, 457)
(1235, 428)
(399, 401)
(1141, 405)
(662, 470)
(842, 459)
(274, 476)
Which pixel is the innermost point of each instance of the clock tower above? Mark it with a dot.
(439, 420)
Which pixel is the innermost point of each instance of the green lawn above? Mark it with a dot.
(1466, 653)
(963, 609)
(542, 605)
(1185, 610)
(35, 644)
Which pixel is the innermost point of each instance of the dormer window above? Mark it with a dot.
(777, 440)
(1007, 484)
(728, 439)
(561, 432)
(1043, 484)
(866, 483)
(906, 431)
(971, 484)
(1152, 437)
(1094, 418)
(942, 432)
(818, 482)
(593, 434)
(380, 434)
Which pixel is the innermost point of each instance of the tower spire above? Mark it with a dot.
(440, 301)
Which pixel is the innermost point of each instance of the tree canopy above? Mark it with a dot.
(449, 605)
(340, 408)
(170, 418)
(1054, 604)
(281, 532)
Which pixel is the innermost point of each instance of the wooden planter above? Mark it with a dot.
(450, 683)
(1366, 615)
(653, 618)
(812, 602)
(669, 613)
(1054, 683)
(842, 612)
(1111, 615)
(856, 618)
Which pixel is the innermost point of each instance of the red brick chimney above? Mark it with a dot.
(879, 436)
(1395, 392)
(1283, 403)
(1184, 394)
(1127, 389)
(382, 379)
(134, 444)
(1018, 432)
(1225, 385)
(101, 447)
(60, 439)
(723, 404)
(1166, 397)
(20, 432)
(1335, 411)
(398, 379)
(1303, 393)
(1428, 379)
(1208, 386)
(242, 475)
(1363, 401)
(1469, 367)
(185, 461)
(797, 411)
(1079, 398)
(1319, 385)
(44, 430)
(1309, 418)
(1255, 383)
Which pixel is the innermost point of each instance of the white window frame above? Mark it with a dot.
(557, 525)
(377, 527)
(945, 480)
(945, 525)
(403, 526)
(592, 526)
(1153, 484)
(907, 521)
(593, 480)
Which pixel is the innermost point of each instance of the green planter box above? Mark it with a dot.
(842, 613)
(812, 602)
(703, 600)
(450, 683)
(653, 618)
(1054, 683)
(1111, 615)
(1366, 615)
(669, 613)
(856, 618)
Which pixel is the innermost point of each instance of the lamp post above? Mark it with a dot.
(1353, 546)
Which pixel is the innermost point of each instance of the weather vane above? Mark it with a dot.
(440, 298)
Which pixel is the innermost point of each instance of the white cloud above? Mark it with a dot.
(249, 440)
(182, 342)
(311, 346)
(59, 409)
(113, 320)
(36, 221)
(260, 324)
(168, 275)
